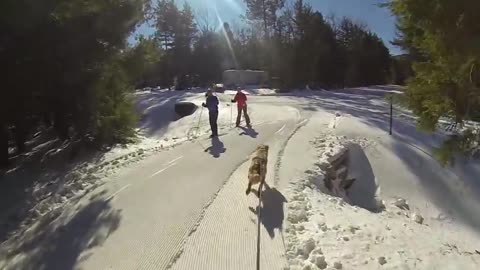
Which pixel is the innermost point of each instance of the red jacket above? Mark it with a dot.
(241, 99)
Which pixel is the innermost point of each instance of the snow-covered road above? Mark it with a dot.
(155, 209)
(186, 208)
(164, 200)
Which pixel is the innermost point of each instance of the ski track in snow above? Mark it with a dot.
(236, 242)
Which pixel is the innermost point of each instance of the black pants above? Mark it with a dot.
(213, 116)
(245, 113)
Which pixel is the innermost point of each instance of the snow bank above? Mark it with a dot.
(253, 91)
(402, 208)
(323, 230)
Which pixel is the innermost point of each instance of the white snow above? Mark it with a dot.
(253, 91)
(404, 211)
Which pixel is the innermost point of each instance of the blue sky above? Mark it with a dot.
(379, 20)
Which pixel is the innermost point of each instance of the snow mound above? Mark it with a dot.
(253, 91)
(343, 170)
(344, 229)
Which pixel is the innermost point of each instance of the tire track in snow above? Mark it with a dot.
(278, 162)
(280, 131)
(117, 192)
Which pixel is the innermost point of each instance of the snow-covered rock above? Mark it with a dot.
(297, 216)
(417, 218)
(401, 203)
(319, 261)
(356, 237)
(381, 260)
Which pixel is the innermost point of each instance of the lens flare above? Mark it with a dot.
(224, 32)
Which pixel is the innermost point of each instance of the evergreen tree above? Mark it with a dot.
(265, 12)
(141, 61)
(52, 62)
(367, 57)
(207, 58)
(175, 30)
(446, 38)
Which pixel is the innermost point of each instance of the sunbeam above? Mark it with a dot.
(229, 42)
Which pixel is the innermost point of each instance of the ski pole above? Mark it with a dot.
(231, 115)
(190, 131)
(199, 118)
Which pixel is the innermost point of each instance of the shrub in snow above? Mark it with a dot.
(382, 260)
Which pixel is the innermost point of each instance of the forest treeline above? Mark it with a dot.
(67, 64)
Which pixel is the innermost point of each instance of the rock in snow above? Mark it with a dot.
(319, 261)
(297, 216)
(418, 218)
(308, 247)
(382, 260)
(401, 203)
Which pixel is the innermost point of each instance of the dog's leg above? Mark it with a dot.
(249, 188)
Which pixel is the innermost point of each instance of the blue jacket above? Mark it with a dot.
(211, 104)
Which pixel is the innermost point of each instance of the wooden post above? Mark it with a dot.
(391, 113)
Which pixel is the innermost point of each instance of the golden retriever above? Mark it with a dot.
(258, 168)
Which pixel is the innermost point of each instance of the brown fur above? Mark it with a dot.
(258, 168)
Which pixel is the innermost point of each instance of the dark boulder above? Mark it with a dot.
(185, 108)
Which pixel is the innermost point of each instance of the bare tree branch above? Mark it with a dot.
(205, 21)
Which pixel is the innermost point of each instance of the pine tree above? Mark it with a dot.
(368, 60)
(208, 55)
(175, 30)
(445, 35)
(142, 60)
(53, 58)
(264, 11)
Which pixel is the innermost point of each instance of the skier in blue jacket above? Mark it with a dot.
(212, 105)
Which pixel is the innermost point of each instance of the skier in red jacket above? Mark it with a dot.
(241, 100)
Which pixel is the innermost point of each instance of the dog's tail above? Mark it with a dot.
(255, 178)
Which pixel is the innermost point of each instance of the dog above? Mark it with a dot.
(258, 168)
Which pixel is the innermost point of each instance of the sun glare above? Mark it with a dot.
(213, 5)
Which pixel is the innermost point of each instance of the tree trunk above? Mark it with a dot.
(20, 136)
(3, 146)
(60, 125)
(265, 23)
